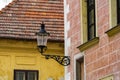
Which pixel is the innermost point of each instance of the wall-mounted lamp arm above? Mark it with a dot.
(42, 37)
(63, 60)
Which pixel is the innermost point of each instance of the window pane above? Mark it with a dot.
(80, 69)
(91, 33)
(118, 11)
(91, 17)
(32, 76)
(20, 76)
(119, 17)
(119, 3)
(91, 2)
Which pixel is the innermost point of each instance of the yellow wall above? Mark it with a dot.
(22, 54)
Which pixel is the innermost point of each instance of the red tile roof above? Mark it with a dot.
(21, 19)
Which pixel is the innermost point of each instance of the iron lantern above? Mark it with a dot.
(42, 37)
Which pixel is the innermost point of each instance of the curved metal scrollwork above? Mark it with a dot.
(63, 60)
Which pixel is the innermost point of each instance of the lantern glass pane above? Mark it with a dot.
(45, 38)
(42, 40)
(39, 40)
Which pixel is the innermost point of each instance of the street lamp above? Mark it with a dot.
(42, 38)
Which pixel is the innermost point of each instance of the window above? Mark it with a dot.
(114, 13)
(88, 24)
(88, 20)
(118, 11)
(114, 8)
(25, 75)
(91, 19)
(80, 69)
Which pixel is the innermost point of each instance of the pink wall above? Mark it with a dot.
(103, 58)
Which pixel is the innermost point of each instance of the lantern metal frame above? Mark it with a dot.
(63, 60)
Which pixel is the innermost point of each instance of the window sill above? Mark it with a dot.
(88, 44)
(113, 31)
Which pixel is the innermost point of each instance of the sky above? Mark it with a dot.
(3, 3)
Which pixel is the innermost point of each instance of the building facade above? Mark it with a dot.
(92, 39)
(19, 56)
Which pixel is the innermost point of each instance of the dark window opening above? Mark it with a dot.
(118, 11)
(91, 19)
(80, 69)
(25, 75)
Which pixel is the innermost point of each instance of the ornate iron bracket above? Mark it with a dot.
(63, 60)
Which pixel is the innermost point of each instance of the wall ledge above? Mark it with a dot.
(88, 44)
(113, 30)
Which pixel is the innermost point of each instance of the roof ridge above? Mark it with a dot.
(7, 6)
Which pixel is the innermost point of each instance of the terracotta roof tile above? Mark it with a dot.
(22, 19)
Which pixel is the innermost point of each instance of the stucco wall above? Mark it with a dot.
(22, 54)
